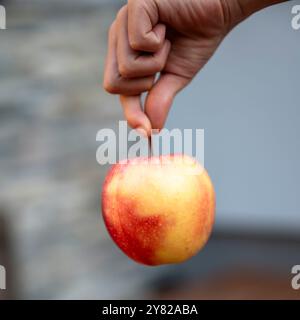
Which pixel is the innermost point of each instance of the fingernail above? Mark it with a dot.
(141, 131)
(155, 131)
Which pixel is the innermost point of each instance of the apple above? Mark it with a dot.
(159, 210)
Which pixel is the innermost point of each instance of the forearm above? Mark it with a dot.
(251, 6)
(242, 9)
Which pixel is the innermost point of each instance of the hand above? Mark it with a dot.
(172, 37)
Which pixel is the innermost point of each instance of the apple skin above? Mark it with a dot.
(157, 212)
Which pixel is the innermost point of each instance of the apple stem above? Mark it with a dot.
(150, 146)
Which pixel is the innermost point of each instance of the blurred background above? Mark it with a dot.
(53, 242)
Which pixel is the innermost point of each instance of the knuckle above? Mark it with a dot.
(111, 28)
(121, 13)
(135, 43)
(110, 86)
(125, 70)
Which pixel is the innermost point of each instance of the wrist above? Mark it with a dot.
(242, 9)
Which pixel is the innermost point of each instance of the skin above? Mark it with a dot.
(172, 38)
(157, 232)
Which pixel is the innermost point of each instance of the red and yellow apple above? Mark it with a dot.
(159, 210)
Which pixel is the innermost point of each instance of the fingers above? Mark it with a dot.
(145, 34)
(157, 105)
(161, 96)
(113, 81)
(134, 114)
(130, 73)
(133, 64)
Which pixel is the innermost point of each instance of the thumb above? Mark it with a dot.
(161, 96)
